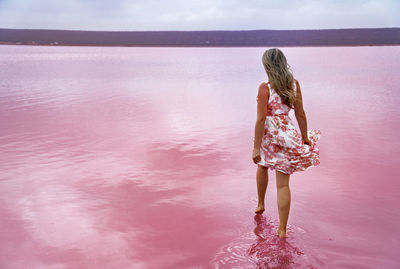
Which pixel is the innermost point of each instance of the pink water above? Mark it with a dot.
(141, 158)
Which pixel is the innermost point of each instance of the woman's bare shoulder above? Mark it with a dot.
(263, 87)
(264, 84)
(298, 88)
(263, 90)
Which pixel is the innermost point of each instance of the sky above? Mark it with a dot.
(185, 15)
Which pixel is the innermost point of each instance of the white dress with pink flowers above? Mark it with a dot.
(282, 147)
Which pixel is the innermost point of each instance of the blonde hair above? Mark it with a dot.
(280, 74)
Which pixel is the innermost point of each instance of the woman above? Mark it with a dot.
(277, 143)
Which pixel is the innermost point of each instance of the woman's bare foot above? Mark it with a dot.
(260, 209)
(281, 232)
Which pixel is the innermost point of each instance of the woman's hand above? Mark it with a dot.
(256, 156)
(307, 141)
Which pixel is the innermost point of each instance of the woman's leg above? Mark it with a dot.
(283, 190)
(262, 183)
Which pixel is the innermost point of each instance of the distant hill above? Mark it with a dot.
(247, 38)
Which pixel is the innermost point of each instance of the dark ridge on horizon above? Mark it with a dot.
(204, 38)
(214, 30)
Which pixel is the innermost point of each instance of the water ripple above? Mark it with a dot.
(262, 248)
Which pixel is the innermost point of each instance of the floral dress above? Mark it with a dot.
(281, 146)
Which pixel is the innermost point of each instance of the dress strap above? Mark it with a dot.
(269, 89)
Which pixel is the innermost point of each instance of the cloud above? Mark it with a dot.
(198, 15)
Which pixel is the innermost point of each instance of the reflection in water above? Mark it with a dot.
(264, 249)
(270, 250)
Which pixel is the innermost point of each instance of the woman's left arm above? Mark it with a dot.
(262, 103)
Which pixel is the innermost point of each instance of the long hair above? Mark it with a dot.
(280, 74)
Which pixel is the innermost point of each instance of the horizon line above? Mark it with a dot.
(85, 30)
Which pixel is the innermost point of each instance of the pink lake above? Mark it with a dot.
(141, 158)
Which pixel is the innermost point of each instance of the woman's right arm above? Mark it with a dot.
(301, 115)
